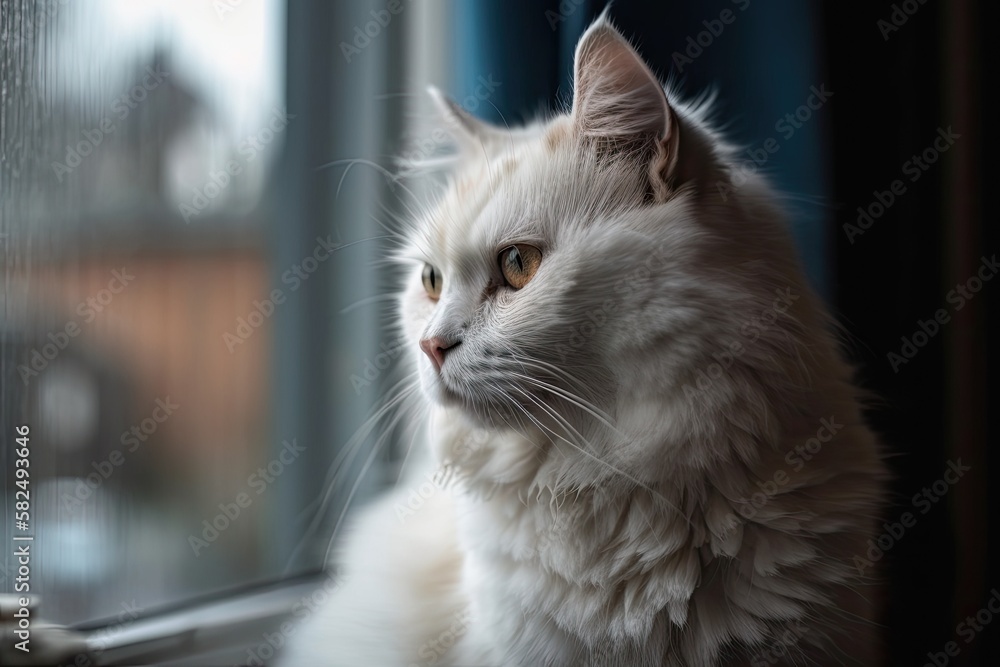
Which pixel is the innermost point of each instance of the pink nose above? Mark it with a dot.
(435, 348)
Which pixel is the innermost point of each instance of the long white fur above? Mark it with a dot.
(605, 513)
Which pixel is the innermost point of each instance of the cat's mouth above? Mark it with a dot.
(493, 390)
(440, 392)
(485, 405)
(444, 391)
(448, 393)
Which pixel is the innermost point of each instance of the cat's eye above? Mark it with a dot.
(518, 264)
(432, 281)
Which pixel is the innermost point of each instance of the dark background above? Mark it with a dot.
(893, 89)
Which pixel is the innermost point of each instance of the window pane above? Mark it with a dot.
(138, 141)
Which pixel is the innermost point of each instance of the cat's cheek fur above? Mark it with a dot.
(417, 310)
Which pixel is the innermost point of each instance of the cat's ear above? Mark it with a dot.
(617, 96)
(468, 131)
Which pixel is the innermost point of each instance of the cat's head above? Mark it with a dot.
(577, 273)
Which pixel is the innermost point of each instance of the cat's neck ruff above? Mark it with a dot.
(627, 564)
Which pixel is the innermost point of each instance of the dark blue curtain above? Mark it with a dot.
(762, 58)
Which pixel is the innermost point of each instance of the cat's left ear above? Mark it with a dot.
(617, 97)
(469, 132)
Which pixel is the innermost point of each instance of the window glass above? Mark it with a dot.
(139, 139)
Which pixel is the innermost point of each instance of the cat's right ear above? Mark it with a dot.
(618, 99)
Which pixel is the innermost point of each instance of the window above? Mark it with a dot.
(193, 311)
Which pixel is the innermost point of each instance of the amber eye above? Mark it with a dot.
(432, 281)
(518, 264)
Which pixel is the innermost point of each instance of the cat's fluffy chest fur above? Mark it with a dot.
(661, 456)
(491, 576)
(671, 575)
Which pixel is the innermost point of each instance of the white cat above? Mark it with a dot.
(661, 455)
